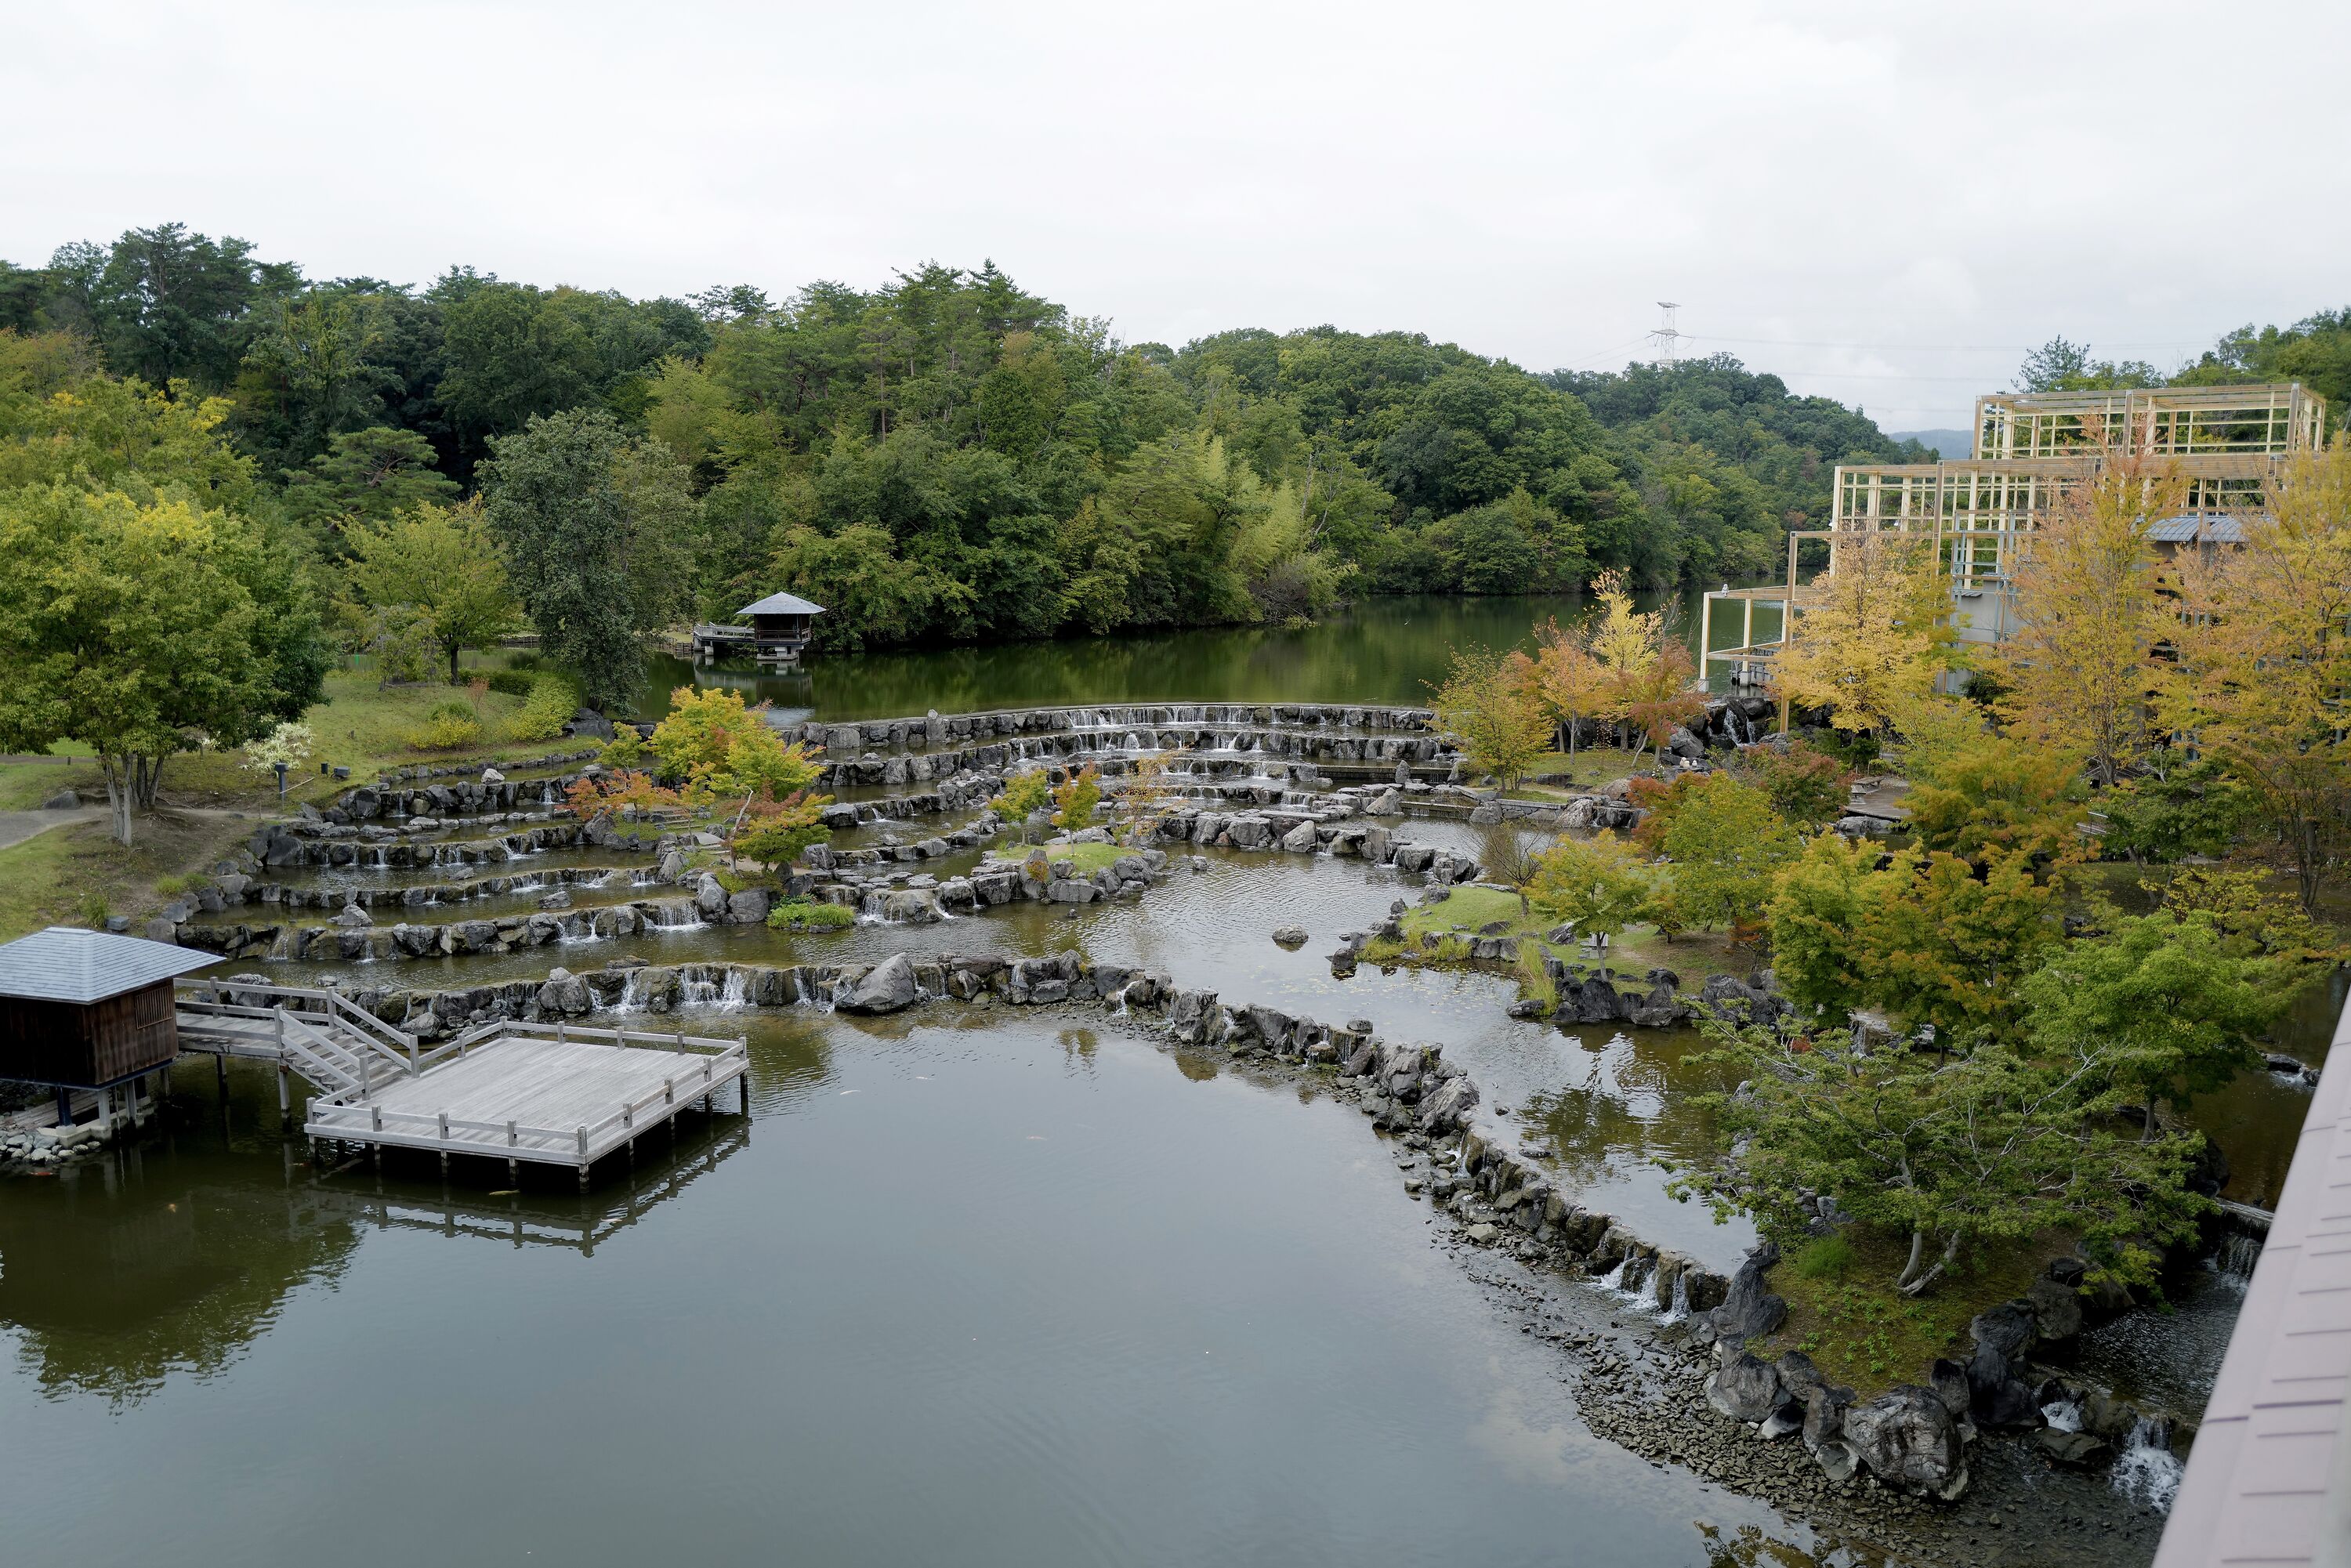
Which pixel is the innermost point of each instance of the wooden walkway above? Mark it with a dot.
(554, 1093)
(548, 1094)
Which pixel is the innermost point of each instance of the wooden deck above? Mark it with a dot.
(547, 1093)
(551, 1093)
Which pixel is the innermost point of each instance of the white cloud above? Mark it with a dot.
(1523, 179)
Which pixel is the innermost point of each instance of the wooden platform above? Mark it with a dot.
(548, 1094)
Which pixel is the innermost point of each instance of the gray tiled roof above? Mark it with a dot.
(781, 604)
(2217, 528)
(68, 964)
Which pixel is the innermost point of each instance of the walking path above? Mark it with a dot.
(15, 827)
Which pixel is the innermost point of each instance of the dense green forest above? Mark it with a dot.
(948, 457)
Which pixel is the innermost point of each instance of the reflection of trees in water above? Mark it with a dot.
(1749, 1547)
(119, 1277)
(1632, 1102)
(170, 1256)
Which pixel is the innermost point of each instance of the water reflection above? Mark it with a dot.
(124, 1271)
(1384, 650)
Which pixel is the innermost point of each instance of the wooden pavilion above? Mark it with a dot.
(90, 1010)
(778, 633)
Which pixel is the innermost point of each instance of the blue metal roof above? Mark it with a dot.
(68, 964)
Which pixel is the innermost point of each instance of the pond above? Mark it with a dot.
(1389, 650)
(982, 1290)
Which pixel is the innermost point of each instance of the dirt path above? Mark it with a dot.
(15, 827)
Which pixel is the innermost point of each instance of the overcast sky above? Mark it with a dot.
(1885, 203)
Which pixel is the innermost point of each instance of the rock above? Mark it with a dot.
(884, 989)
(492, 776)
(1447, 1106)
(161, 929)
(2057, 1309)
(354, 919)
(1824, 1409)
(63, 800)
(749, 907)
(1682, 743)
(1839, 1460)
(1290, 937)
(1909, 1442)
(1743, 1388)
(564, 993)
(710, 898)
(1949, 1379)
(1483, 1234)
(2074, 1450)
(1748, 1309)
(1299, 839)
(560, 899)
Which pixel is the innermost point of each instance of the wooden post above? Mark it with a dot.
(285, 1097)
(220, 1067)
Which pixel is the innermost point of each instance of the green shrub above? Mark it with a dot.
(526, 659)
(449, 727)
(1824, 1257)
(510, 683)
(552, 701)
(807, 915)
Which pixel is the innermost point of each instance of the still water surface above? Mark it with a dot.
(1003, 1290)
(1384, 650)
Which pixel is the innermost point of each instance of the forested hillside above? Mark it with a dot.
(947, 457)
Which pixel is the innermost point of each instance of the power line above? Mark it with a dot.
(1928, 348)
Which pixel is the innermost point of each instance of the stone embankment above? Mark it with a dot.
(1240, 736)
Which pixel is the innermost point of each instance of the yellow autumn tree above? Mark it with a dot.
(1489, 707)
(2263, 674)
(1571, 684)
(1870, 638)
(2079, 665)
(1646, 675)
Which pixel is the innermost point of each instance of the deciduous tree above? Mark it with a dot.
(1489, 707)
(2265, 659)
(2079, 663)
(582, 509)
(1728, 846)
(442, 565)
(1869, 636)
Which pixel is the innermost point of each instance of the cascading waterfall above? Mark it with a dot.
(2239, 1251)
(2146, 1469)
(1679, 1307)
(696, 989)
(633, 994)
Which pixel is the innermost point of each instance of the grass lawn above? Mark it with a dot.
(1590, 768)
(1844, 1313)
(1472, 909)
(78, 875)
(1090, 858)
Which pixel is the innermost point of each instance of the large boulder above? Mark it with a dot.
(884, 989)
(1447, 1106)
(1748, 1310)
(1909, 1442)
(1743, 1387)
(710, 898)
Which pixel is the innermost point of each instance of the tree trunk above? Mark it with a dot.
(1951, 1252)
(453, 664)
(1918, 1251)
(116, 774)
